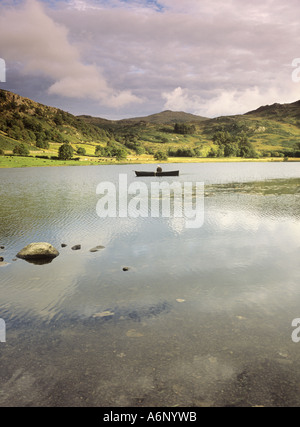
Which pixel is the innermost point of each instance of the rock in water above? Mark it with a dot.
(40, 250)
(76, 248)
(97, 248)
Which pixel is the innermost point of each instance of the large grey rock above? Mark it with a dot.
(40, 250)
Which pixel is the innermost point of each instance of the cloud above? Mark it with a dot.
(229, 102)
(212, 56)
(29, 36)
(239, 102)
(179, 100)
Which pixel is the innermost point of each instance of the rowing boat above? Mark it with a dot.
(166, 173)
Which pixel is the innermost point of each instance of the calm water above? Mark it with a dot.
(202, 318)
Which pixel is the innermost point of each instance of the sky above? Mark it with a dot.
(130, 58)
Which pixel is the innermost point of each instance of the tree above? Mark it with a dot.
(247, 150)
(65, 152)
(41, 140)
(21, 150)
(1, 152)
(120, 154)
(182, 152)
(197, 152)
(58, 120)
(222, 138)
(161, 155)
(184, 129)
(42, 143)
(212, 153)
(81, 151)
(139, 150)
(99, 151)
(230, 150)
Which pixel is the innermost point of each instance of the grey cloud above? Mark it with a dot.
(29, 36)
(212, 57)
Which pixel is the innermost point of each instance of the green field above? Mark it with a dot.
(21, 162)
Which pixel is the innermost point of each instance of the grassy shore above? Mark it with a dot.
(21, 162)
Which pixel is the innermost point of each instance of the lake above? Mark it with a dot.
(202, 317)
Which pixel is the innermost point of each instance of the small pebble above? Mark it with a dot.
(1, 259)
(125, 268)
(63, 245)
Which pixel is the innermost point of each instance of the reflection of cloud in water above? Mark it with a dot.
(43, 291)
(177, 225)
(281, 234)
(227, 220)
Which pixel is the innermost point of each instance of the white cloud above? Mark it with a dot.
(225, 102)
(178, 100)
(240, 102)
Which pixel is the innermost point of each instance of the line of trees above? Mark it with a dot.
(111, 150)
(184, 152)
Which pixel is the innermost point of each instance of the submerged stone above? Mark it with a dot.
(107, 313)
(39, 250)
(3, 264)
(97, 248)
(76, 247)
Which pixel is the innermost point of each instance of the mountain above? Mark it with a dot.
(271, 129)
(165, 117)
(168, 117)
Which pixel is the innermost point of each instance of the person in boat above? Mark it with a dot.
(159, 169)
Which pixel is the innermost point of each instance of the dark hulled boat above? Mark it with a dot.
(166, 173)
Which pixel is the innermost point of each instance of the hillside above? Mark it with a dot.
(41, 127)
(272, 130)
(289, 113)
(268, 131)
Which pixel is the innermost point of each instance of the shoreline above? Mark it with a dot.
(9, 162)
